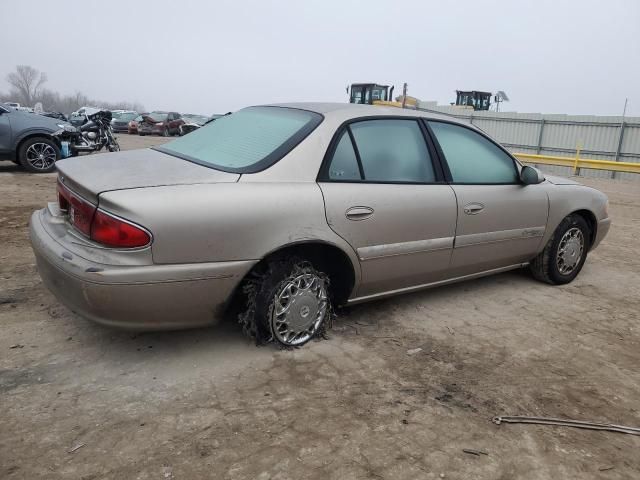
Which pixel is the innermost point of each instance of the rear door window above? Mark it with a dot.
(344, 165)
(382, 151)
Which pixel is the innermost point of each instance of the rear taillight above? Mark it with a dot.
(115, 232)
(98, 225)
(79, 210)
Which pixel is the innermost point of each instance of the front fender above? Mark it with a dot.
(33, 132)
(567, 199)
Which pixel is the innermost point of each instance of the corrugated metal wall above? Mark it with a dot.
(599, 137)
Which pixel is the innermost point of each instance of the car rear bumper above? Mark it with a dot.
(150, 297)
(603, 228)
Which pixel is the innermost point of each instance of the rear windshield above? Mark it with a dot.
(247, 141)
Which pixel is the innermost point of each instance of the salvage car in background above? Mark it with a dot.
(132, 126)
(160, 123)
(25, 139)
(121, 122)
(285, 210)
(192, 122)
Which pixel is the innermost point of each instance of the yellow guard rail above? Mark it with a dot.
(577, 163)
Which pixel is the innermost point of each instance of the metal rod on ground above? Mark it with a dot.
(561, 422)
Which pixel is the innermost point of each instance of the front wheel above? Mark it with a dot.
(288, 303)
(39, 155)
(565, 253)
(114, 146)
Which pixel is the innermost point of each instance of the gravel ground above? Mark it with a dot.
(85, 402)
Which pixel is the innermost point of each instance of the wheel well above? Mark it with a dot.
(29, 137)
(590, 218)
(325, 257)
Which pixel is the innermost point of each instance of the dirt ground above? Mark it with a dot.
(79, 401)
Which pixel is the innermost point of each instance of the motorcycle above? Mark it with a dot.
(92, 136)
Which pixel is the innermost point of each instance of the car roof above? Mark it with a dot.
(359, 110)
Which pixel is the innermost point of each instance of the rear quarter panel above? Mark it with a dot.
(226, 221)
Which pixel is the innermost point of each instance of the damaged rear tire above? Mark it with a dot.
(288, 302)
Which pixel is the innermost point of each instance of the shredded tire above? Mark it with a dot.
(260, 289)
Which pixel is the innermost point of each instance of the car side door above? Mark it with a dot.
(177, 121)
(385, 194)
(501, 221)
(170, 122)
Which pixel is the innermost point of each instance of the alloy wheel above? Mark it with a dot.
(41, 156)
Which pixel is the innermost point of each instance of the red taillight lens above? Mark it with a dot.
(80, 211)
(114, 232)
(101, 227)
(62, 200)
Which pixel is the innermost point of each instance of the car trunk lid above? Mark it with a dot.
(91, 175)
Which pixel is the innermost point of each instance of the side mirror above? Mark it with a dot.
(531, 176)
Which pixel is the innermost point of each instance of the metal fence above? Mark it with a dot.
(595, 137)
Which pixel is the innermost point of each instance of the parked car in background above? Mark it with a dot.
(160, 123)
(192, 122)
(121, 122)
(17, 106)
(77, 120)
(132, 126)
(25, 139)
(86, 111)
(79, 117)
(283, 211)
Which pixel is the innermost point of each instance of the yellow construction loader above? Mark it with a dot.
(375, 94)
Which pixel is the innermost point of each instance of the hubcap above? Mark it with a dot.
(41, 156)
(570, 251)
(300, 308)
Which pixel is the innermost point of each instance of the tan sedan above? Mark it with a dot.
(282, 211)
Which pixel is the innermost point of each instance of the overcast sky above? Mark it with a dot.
(551, 56)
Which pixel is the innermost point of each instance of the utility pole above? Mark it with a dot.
(404, 95)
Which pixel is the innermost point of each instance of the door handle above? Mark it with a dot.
(359, 213)
(473, 208)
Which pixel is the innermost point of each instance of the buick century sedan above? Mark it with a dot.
(281, 212)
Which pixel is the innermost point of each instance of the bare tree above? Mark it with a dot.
(28, 82)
